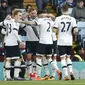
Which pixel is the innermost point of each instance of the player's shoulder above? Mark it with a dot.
(6, 22)
(9, 21)
(72, 19)
(39, 20)
(69, 17)
(58, 18)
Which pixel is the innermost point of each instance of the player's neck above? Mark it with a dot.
(64, 13)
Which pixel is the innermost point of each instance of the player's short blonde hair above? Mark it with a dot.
(16, 12)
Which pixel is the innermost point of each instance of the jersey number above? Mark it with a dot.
(9, 29)
(48, 30)
(66, 26)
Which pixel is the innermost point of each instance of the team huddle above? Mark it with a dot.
(41, 45)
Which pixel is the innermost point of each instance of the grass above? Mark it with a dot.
(54, 82)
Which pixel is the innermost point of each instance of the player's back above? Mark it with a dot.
(65, 25)
(45, 30)
(10, 37)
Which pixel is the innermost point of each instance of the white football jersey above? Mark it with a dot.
(65, 24)
(45, 30)
(30, 33)
(12, 27)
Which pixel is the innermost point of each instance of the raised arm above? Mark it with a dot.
(27, 22)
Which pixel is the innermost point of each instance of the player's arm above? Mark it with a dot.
(8, 17)
(51, 16)
(21, 44)
(4, 27)
(27, 22)
(75, 30)
(4, 23)
(3, 31)
(55, 29)
(1, 23)
(55, 26)
(22, 26)
(75, 33)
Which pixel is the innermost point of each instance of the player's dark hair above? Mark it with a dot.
(28, 6)
(14, 7)
(42, 11)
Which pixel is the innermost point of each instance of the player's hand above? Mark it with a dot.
(51, 16)
(8, 17)
(22, 45)
(75, 31)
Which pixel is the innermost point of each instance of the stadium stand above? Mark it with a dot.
(32, 2)
(81, 27)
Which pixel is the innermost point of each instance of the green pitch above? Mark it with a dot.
(55, 82)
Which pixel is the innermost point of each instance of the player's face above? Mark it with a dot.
(19, 16)
(33, 14)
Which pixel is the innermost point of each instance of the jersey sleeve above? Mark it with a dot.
(4, 23)
(74, 23)
(3, 31)
(22, 26)
(55, 23)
